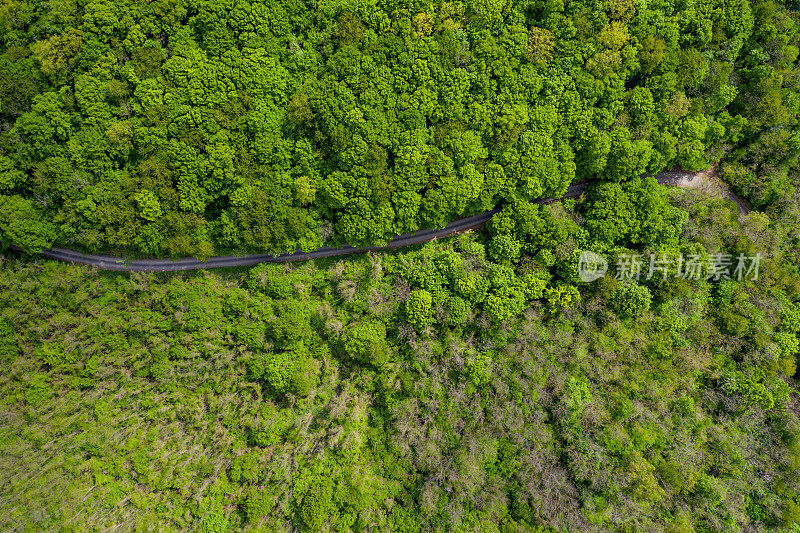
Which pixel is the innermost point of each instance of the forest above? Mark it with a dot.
(476, 383)
(471, 384)
(187, 127)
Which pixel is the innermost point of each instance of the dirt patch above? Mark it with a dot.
(708, 182)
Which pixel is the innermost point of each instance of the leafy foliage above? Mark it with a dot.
(420, 390)
(199, 128)
(472, 384)
(366, 342)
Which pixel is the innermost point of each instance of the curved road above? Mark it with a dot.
(105, 262)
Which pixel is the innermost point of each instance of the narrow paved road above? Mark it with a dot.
(105, 262)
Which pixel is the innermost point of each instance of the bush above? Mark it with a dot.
(504, 249)
(317, 505)
(149, 206)
(450, 264)
(561, 296)
(304, 376)
(479, 369)
(505, 305)
(366, 342)
(273, 281)
(273, 368)
(788, 346)
(546, 258)
(38, 390)
(791, 514)
(8, 341)
(680, 478)
(292, 324)
(419, 311)
(755, 392)
(214, 522)
(246, 468)
(474, 288)
(632, 300)
(283, 372)
(790, 318)
(643, 483)
(22, 224)
(258, 503)
(457, 311)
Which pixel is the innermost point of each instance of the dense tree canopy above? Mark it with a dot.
(477, 383)
(177, 127)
